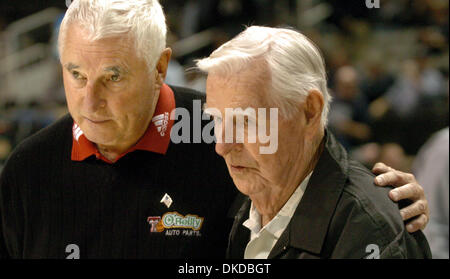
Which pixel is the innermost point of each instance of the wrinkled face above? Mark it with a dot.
(110, 93)
(252, 172)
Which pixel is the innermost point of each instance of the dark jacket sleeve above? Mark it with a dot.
(374, 234)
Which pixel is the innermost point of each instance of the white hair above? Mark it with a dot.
(142, 20)
(295, 64)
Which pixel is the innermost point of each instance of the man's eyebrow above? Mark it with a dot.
(71, 66)
(116, 70)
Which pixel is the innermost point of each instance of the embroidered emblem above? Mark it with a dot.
(161, 121)
(175, 224)
(176, 220)
(76, 132)
(155, 224)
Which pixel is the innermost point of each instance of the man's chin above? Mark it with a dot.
(99, 139)
(244, 186)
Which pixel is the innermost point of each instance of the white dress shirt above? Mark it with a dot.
(263, 240)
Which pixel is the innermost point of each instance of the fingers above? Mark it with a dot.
(380, 168)
(418, 208)
(395, 178)
(417, 224)
(412, 191)
(407, 187)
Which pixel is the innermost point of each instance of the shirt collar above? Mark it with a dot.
(156, 138)
(278, 224)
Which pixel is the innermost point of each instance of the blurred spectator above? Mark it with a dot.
(336, 57)
(376, 81)
(431, 168)
(410, 102)
(417, 82)
(348, 116)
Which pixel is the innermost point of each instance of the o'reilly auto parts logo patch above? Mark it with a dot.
(174, 224)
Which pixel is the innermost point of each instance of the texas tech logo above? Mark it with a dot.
(153, 221)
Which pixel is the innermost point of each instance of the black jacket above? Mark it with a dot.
(342, 214)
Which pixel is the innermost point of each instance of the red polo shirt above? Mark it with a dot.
(156, 138)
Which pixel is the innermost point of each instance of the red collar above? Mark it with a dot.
(156, 138)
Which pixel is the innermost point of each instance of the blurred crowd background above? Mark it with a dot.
(387, 70)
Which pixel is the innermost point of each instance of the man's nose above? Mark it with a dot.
(93, 99)
(223, 148)
(226, 140)
(226, 144)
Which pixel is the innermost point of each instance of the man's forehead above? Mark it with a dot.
(113, 54)
(98, 48)
(78, 40)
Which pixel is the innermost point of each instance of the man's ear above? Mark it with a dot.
(313, 107)
(163, 64)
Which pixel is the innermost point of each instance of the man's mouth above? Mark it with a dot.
(96, 121)
(238, 168)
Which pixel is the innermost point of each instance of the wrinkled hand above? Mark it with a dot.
(406, 187)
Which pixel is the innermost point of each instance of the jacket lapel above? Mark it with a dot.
(239, 235)
(309, 225)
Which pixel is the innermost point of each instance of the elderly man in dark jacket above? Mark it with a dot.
(306, 199)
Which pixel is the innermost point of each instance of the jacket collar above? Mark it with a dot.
(239, 235)
(308, 227)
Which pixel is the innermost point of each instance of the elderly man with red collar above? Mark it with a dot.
(307, 198)
(105, 181)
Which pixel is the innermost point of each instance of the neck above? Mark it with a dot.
(270, 202)
(111, 153)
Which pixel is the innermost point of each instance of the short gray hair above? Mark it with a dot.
(142, 20)
(296, 65)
